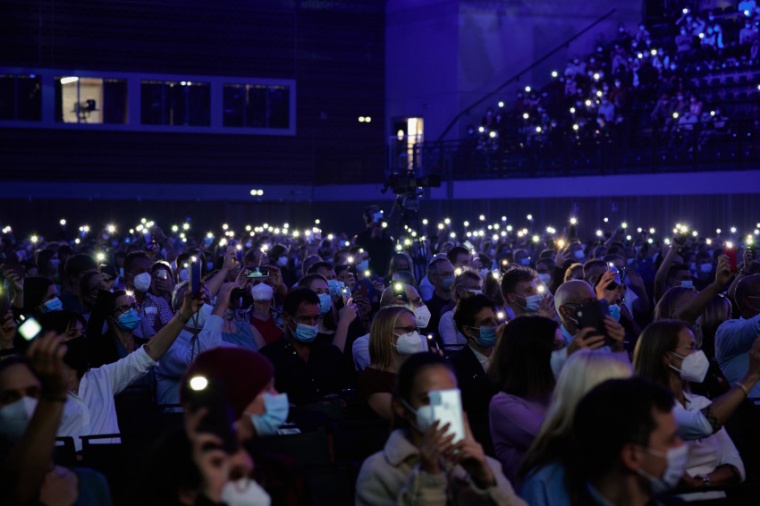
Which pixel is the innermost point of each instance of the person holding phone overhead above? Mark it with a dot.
(421, 463)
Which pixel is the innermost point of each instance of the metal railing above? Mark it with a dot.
(616, 150)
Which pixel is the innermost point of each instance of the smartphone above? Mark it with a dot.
(239, 252)
(361, 290)
(195, 277)
(162, 273)
(612, 285)
(346, 294)
(241, 298)
(730, 251)
(432, 345)
(591, 314)
(29, 329)
(258, 272)
(447, 409)
(208, 394)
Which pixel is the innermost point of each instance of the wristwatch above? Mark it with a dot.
(705, 480)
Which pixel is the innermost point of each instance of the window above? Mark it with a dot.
(91, 100)
(20, 97)
(175, 103)
(256, 106)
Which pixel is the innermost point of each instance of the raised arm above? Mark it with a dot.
(691, 312)
(29, 461)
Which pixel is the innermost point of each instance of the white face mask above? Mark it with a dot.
(424, 415)
(142, 282)
(693, 366)
(245, 492)
(409, 343)
(422, 316)
(15, 417)
(677, 458)
(262, 292)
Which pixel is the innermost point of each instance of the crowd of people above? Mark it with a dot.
(499, 367)
(636, 86)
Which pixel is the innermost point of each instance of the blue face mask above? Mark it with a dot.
(532, 303)
(447, 282)
(128, 321)
(276, 412)
(615, 312)
(306, 333)
(332, 284)
(525, 262)
(487, 337)
(363, 265)
(325, 303)
(687, 284)
(52, 305)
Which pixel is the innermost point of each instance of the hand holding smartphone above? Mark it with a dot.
(447, 409)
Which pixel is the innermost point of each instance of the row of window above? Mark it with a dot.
(87, 99)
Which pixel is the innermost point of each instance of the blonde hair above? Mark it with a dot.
(381, 335)
(583, 371)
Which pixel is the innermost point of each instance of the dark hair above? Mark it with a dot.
(467, 308)
(78, 264)
(521, 362)
(405, 277)
(746, 287)
(296, 296)
(59, 321)
(320, 265)
(306, 281)
(35, 289)
(517, 274)
(454, 252)
(676, 268)
(412, 367)
(131, 258)
(159, 265)
(277, 251)
(614, 413)
(656, 339)
(432, 267)
(589, 275)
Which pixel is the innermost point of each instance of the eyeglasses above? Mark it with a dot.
(407, 330)
(125, 308)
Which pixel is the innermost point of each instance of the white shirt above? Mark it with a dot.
(92, 410)
(484, 361)
(717, 449)
(447, 329)
(181, 354)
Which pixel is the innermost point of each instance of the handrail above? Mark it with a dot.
(517, 76)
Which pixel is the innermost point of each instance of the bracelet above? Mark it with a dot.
(55, 398)
(744, 389)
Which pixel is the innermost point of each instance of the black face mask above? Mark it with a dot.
(77, 355)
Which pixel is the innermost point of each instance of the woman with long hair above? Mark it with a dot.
(521, 370)
(392, 338)
(420, 463)
(542, 473)
(667, 353)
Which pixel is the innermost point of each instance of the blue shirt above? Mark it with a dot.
(546, 487)
(733, 340)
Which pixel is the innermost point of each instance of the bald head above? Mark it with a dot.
(744, 296)
(390, 299)
(575, 291)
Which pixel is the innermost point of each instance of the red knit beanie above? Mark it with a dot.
(242, 373)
